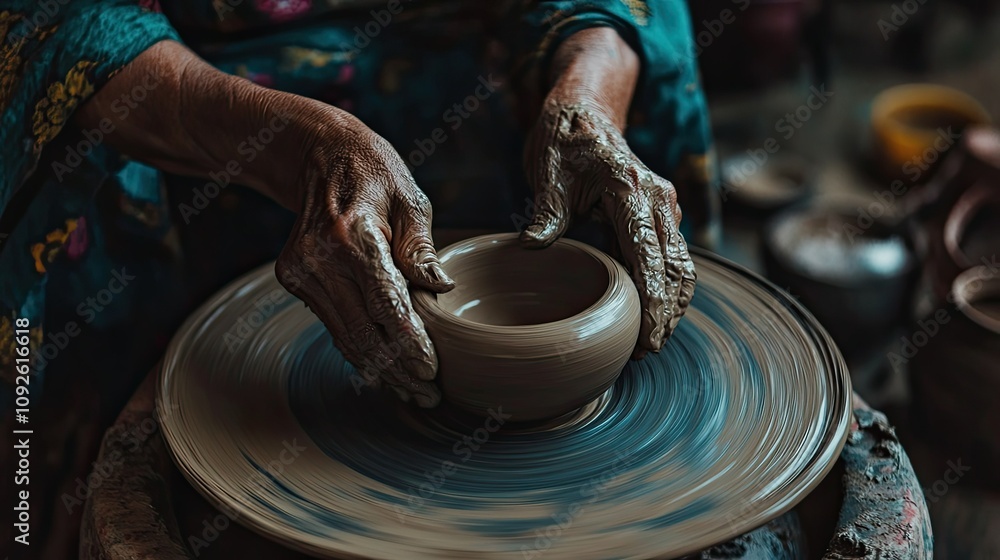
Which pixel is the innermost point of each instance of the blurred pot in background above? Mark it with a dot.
(957, 213)
(914, 125)
(954, 364)
(858, 281)
(757, 190)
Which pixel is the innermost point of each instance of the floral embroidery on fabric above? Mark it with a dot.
(281, 10)
(265, 80)
(60, 101)
(47, 251)
(78, 240)
(639, 10)
(8, 347)
(150, 5)
(10, 74)
(294, 59)
(16, 32)
(10, 59)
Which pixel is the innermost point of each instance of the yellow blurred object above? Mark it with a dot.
(914, 124)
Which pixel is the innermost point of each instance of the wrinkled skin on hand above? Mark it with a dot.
(580, 165)
(362, 233)
(363, 230)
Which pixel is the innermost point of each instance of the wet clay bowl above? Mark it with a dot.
(912, 125)
(538, 333)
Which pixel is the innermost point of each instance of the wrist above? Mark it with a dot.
(307, 136)
(597, 69)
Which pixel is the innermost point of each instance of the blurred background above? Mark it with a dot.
(861, 172)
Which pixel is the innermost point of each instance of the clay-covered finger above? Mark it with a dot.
(412, 245)
(630, 214)
(314, 282)
(679, 270)
(543, 165)
(388, 300)
(326, 283)
(379, 362)
(425, 393)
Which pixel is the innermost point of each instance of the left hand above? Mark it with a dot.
(578, 163)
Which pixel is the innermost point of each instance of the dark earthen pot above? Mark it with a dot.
(858, 283)
(955, 214)
(954, 363)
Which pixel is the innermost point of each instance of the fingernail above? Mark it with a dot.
(656, 338)
(424, 401)
(437, 275)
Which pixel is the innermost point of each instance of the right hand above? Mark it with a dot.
(363, 231)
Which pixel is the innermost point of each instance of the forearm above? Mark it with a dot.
(595, 67)
(174, 111)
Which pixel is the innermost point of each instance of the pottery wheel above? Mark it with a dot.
(741, 415)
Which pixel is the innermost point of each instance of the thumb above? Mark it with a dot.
(551, 216)
(413, 248)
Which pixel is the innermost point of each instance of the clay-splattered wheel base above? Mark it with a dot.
(737, 419)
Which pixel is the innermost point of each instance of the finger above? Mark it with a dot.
(339, 304)
(377, 359)
(388, 302)
(678, 267)
(412, 245)
(310, 289)
(543, 164)
(631, 216)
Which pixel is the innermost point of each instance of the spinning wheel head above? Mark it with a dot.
(731, 425)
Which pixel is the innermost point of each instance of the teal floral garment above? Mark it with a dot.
(95, 243)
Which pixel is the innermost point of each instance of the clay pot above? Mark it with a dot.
(537, 332)
(972, 232)
(911, 122)
(954, 364)
(947, 217)
(859, 284)
(785, 180)
(975, 159)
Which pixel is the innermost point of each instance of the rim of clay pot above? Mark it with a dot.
(614, 295)
(971, 287)
(955, 228)
(887, 106)
(983, 141)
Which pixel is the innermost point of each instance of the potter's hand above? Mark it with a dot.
(578, 163)
(363, 227)
(363, 231)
